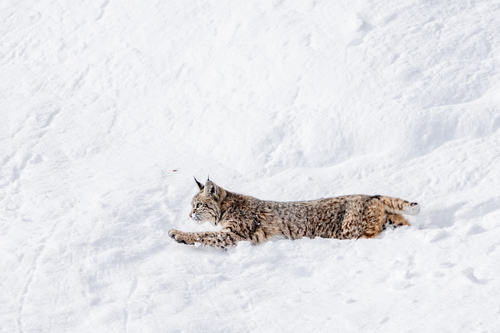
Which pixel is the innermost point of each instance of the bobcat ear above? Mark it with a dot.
(214, 191)
(200, 185)
(210, 188)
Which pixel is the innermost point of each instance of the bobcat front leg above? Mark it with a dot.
(220, 239)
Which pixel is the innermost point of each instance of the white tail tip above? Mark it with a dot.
(413, 209)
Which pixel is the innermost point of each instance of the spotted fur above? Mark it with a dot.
(244, 218)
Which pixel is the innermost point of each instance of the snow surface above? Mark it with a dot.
(109, 108)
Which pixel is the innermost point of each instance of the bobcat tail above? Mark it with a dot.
(399, 206)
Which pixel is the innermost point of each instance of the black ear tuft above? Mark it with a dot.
(200, 185)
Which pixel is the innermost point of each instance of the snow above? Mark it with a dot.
(109, 109)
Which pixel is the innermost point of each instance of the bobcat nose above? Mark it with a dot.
(190, 216)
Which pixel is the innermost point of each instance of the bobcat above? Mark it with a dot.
(244, 218)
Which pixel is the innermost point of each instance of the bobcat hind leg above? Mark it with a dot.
(395, 219)
(373, 219)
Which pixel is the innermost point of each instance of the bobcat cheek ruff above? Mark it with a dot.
(244, 218)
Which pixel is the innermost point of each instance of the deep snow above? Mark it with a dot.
(109, 108)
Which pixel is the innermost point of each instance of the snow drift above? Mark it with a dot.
(109, 109)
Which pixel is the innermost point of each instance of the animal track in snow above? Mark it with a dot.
(51, 118)
(469, 274)
(16, 171)
(103, 9)
(361, 33)
(37, 159)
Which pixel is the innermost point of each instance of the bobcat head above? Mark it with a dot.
(206, 204)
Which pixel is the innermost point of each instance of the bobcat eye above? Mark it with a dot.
(198, 205)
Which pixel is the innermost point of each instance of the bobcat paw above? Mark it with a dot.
(176, 235)
(413, 209)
